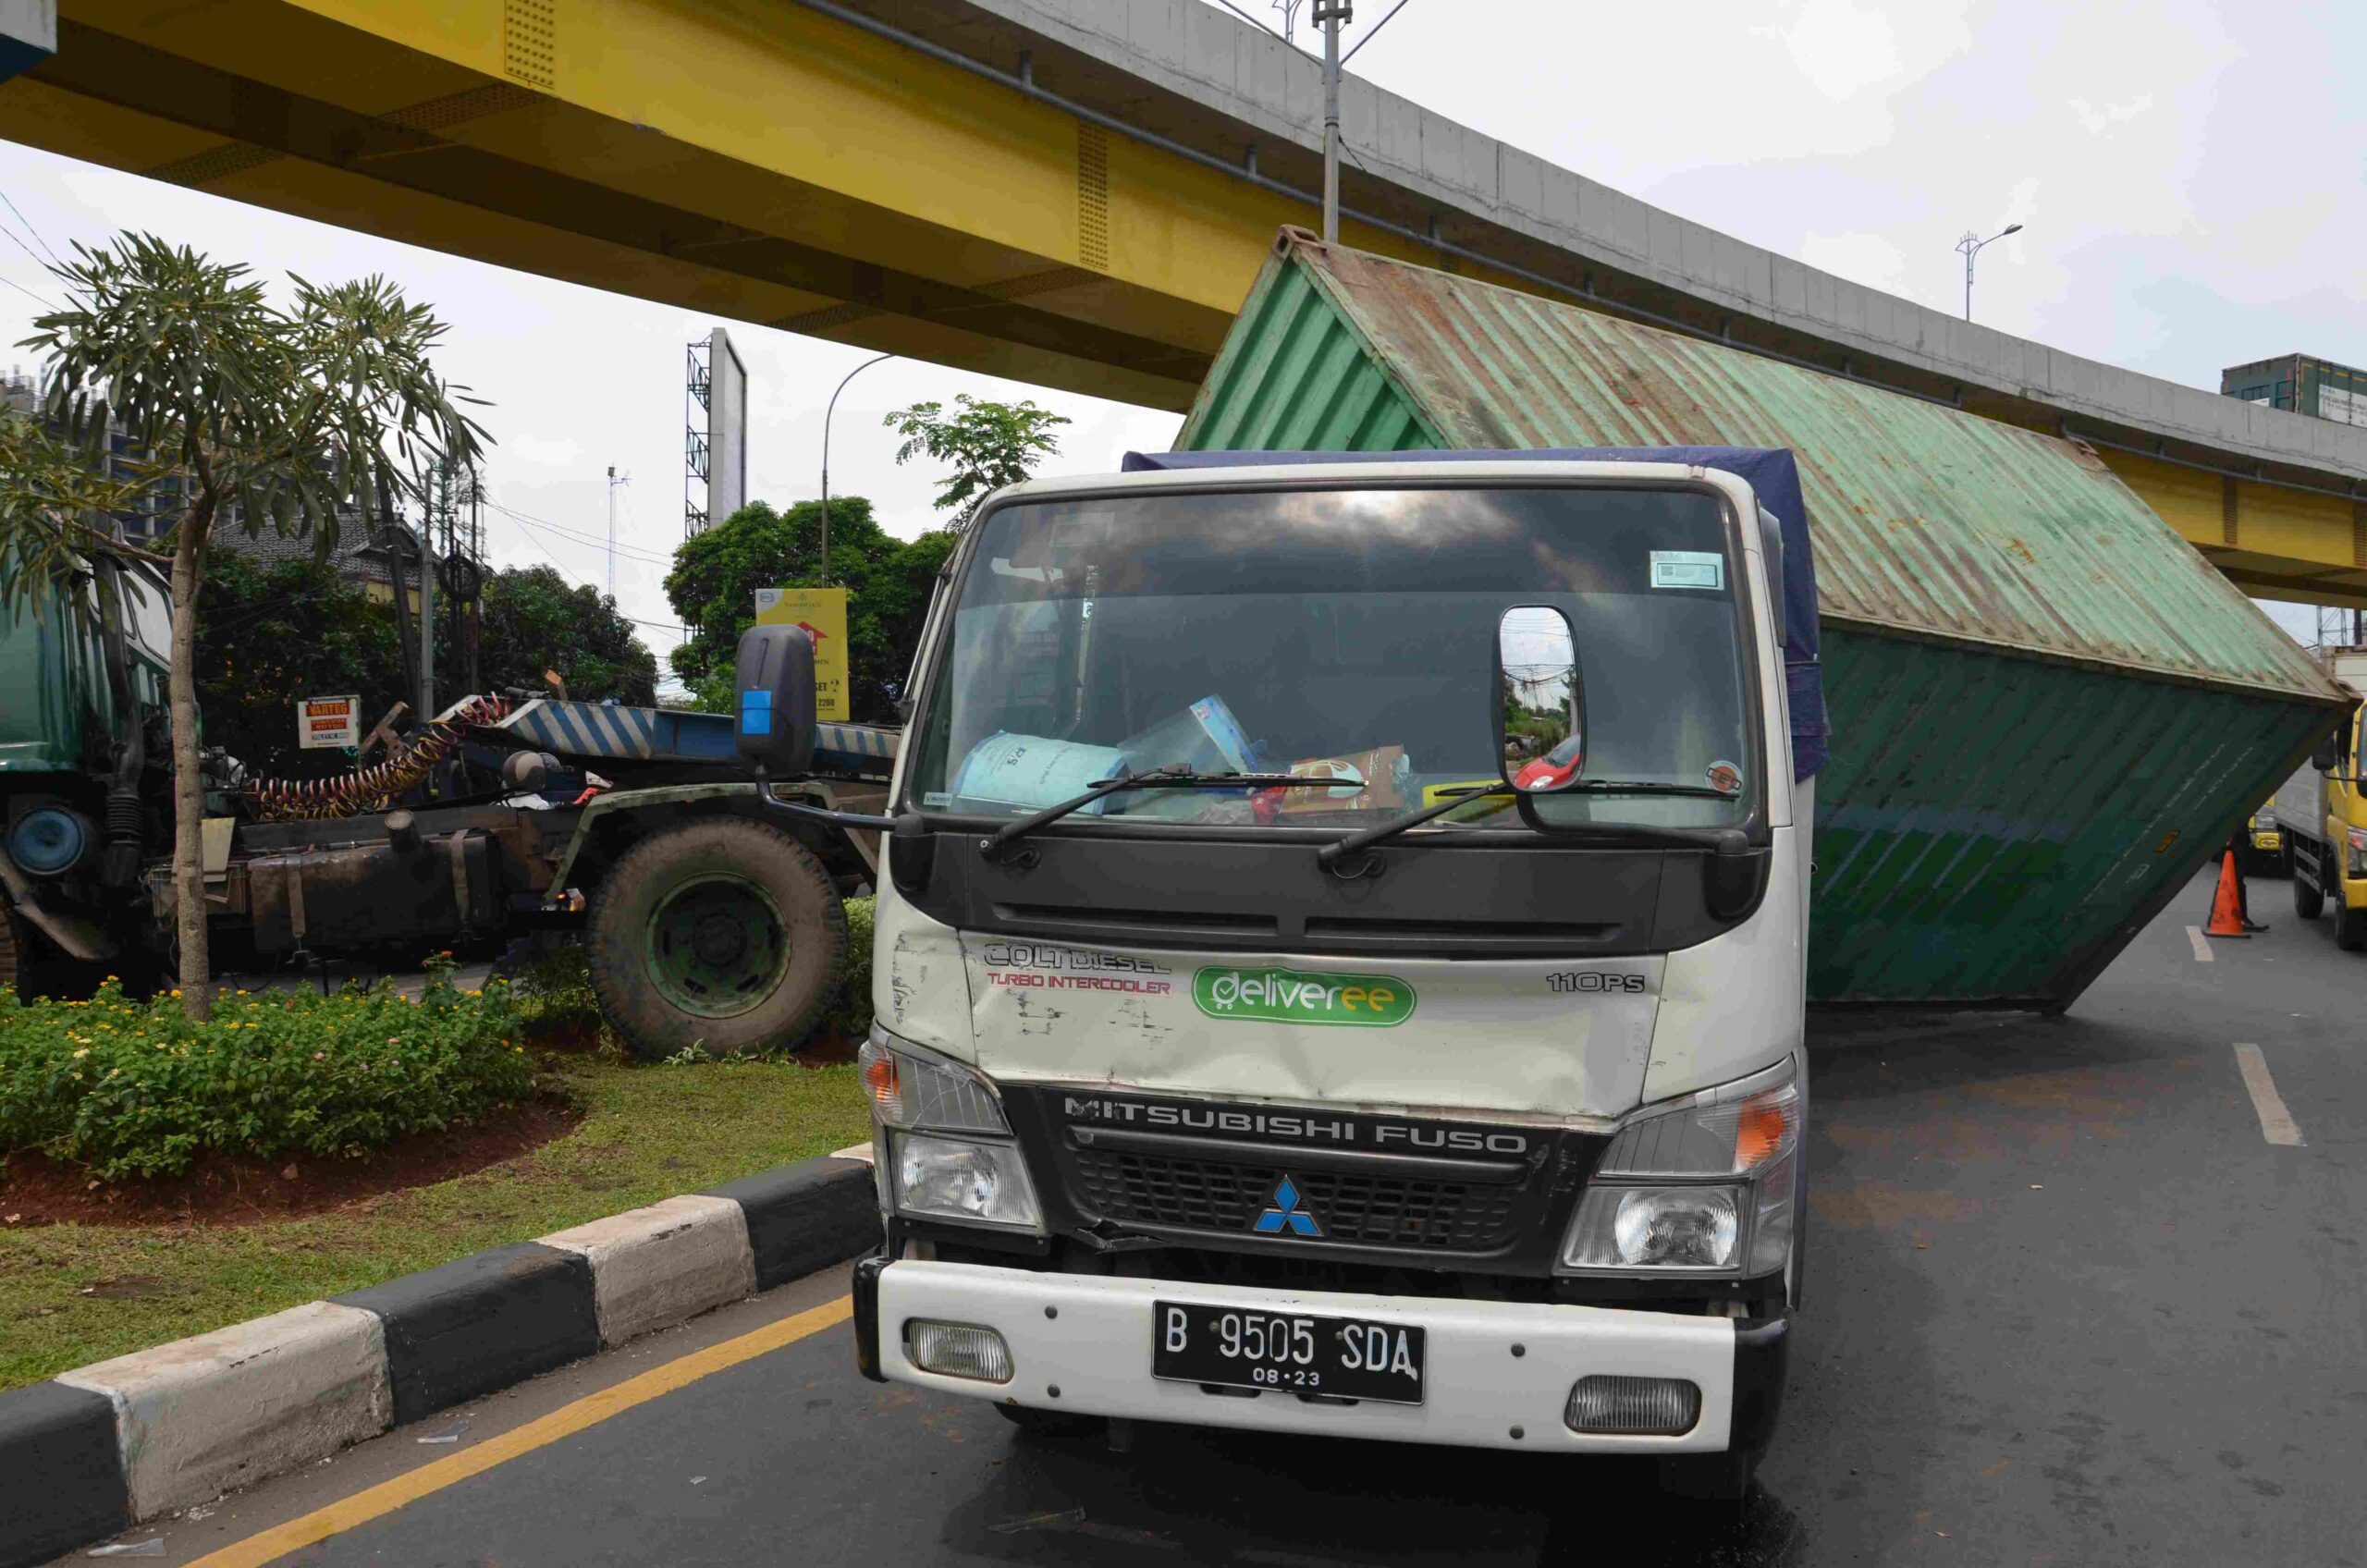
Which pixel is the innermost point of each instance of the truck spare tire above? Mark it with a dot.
(725, 936)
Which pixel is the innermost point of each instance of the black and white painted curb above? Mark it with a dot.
(106, 1446)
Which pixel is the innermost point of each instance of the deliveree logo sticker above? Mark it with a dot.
(1285, 996)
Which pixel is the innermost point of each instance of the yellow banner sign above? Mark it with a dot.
(823, 613)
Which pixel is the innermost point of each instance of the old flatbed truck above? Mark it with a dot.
(708, 920)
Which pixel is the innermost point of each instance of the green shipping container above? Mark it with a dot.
(2047, 709)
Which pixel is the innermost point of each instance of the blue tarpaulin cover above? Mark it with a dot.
(1770, 471)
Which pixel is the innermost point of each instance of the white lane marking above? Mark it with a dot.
(2202, 947)
(2276, 1122)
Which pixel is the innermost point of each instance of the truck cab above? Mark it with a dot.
(2322, 814)
(1266, 1039)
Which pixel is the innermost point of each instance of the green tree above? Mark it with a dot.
(712, 588)
(265, 417)
(272, 633)
(533, 619)
(989, 445)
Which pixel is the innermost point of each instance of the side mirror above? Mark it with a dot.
(774, 726)
(2327, 758)
(1539, 701)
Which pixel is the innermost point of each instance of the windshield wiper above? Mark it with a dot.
(1173, 776)
(1365, 837)
(1646, 787)
(1331, 854)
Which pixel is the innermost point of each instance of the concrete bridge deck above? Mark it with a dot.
(1075, 192)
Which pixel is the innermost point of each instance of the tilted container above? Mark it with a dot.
(2047, 709)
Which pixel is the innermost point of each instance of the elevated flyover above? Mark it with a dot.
(1073, 192)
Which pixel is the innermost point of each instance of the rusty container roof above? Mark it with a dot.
(1928, 522)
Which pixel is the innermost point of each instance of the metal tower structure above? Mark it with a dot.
(696, 387)
(715, 433)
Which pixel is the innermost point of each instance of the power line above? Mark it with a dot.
(530, 520)
(25, 291)
(1371, 32)
(23, 245)
(30, 230)
(576, 535)
(656, 625)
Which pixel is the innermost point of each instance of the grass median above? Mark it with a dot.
(72, 1293)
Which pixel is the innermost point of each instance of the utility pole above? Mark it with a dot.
(1332, 13)
(426, 616)
(614, 480)
(476, 558)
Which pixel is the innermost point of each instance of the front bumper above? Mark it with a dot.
(1089, 1336)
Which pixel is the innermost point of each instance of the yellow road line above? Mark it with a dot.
(592, 1409)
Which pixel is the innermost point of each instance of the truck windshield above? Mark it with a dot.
(1341, 634)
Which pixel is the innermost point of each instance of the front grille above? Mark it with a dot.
(1377, 1210)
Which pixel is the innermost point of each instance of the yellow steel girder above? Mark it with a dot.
(756, 160)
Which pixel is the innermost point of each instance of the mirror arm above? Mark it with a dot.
(804, 812)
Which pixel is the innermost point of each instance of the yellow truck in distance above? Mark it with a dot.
(2323, 813)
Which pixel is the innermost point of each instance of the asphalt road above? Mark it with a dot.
(2067, 1304)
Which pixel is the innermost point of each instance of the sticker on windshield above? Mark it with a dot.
(1689, 569)
(1726, 778)
(936, 800)
(1285, 996)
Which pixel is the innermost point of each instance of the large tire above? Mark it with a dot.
(2308, 902)
(724, 934)
(2350, 928)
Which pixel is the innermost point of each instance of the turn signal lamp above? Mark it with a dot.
(880, 1082)
(1706, 1183)
(1759, 1129)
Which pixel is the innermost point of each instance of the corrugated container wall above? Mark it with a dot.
(2047, 708)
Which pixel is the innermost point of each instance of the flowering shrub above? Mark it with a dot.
(136, 1089)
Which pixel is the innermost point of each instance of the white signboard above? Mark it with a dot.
(329, 721)
(2341, 406)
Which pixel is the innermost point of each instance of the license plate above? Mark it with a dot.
(1288, 1352)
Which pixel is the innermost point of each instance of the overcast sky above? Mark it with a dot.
(2188, 175)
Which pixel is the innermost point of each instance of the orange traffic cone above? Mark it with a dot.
(2226, 904)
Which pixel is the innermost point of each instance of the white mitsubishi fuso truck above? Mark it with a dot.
(1340, 966)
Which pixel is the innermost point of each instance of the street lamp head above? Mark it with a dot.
(2010, 228)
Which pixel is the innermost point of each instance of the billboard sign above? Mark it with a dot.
(726, 429)
(823, 613)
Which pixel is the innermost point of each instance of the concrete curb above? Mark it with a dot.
(106, 1446)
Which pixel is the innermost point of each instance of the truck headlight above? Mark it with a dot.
(1704, 1183)
(2358, 851)
(942, 1146)
(960, 1179)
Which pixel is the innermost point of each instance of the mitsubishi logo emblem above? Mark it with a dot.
(1284, 1211)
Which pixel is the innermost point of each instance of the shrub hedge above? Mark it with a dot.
(136, 1089)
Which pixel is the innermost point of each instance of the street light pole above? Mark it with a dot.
(1971, 246)
(1332, 13)
(825, 460)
